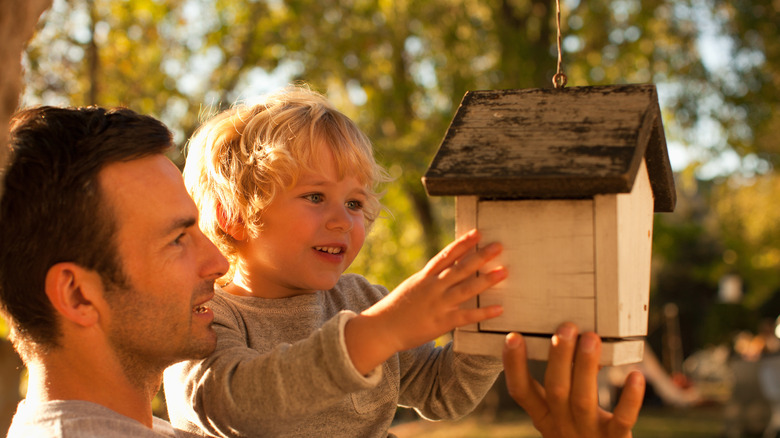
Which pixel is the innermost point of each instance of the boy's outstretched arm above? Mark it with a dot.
(567, 404)
(426, 305)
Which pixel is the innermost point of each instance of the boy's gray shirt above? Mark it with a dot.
(82, 419)
(281, 368)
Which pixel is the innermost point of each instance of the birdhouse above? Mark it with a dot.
(568, 181)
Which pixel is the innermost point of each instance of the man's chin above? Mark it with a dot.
(204, 346)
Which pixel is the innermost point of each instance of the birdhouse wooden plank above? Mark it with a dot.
(568, 180)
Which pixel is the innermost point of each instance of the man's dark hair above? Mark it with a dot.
(52, 209)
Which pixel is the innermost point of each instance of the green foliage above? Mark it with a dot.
(749, 229)
(686, 269)
(400, 68)
(4, 329)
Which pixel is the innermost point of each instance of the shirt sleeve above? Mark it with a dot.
(436, 381)
(239, 391)
(442, 384)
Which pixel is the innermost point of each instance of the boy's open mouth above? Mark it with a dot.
(329, 249)
(200, 309)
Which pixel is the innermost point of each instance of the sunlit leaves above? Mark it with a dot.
(749, 227)
(400, 68)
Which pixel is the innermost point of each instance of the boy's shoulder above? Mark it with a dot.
(356, 281)
(358, 290)
(351, 292)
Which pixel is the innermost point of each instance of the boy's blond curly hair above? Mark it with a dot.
(239, 160)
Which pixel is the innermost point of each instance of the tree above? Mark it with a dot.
(17, 23)
(400, 68)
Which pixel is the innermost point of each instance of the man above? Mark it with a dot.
(567, 405)
(104, 277)
(104, 273)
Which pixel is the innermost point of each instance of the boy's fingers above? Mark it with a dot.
(475, 285)
(453, 252)
(584, 390)
(471, 316)
(467, 267)
(627, 410)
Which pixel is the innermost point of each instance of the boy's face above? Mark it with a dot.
(310, 234)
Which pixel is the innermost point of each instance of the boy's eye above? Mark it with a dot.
(354, 205)
(314, 197)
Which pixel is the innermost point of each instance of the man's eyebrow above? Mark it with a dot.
(181, 223)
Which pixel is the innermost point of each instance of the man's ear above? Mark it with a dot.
(236, 230)
(75, 292)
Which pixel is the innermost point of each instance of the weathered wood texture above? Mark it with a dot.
(548, 251)
(466, 210)
(554, 143)
(586, 261)
(623, 226)
(491, 344)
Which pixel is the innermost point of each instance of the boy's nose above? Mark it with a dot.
(339, 219)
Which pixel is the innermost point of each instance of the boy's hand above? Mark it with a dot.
(567, 405)
(426, 305)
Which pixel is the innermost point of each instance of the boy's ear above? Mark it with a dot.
(236, 230)
(75, 292)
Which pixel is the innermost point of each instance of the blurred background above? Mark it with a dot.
(400, 68)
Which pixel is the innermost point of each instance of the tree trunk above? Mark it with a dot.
(10, 375)
(93, 58)
(431, 230)
(17, 22)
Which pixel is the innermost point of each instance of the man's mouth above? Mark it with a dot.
(329, 249)
(200, 309)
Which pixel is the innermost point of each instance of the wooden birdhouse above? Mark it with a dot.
(568, 181)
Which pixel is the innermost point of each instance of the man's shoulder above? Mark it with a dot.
(75, 418)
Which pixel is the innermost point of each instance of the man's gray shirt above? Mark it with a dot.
(82, 419)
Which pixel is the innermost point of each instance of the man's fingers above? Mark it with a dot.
(584, 389)
(627, 410)
(522, 387)
(557, 377)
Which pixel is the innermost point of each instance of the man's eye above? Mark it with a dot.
(179, 239)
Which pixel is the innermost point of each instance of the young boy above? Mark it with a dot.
(287, 191)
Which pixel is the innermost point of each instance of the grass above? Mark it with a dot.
(653, 423)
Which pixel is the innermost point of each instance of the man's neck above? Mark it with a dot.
(62, 376)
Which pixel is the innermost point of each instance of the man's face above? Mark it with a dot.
(159, 317)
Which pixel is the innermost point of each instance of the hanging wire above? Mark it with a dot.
(559, 80)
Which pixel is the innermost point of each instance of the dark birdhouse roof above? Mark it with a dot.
(554, 143)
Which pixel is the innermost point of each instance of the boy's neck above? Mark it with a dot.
(241, 288)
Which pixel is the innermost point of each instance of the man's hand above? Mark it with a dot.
(567, 405)
(426, 305)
